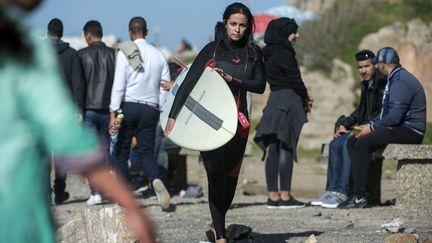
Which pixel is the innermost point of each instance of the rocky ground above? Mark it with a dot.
(187, 219)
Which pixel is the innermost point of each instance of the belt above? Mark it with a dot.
(151, 104)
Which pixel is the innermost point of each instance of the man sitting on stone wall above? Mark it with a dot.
(402, 120)
(339, 174)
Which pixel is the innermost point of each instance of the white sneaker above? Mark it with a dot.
(161, 193)
(140, 189)
(94, 199)
(334, 201)
(318, 202)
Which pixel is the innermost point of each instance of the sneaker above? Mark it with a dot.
(61, 197)
(272, 204)
(318, 202)
(354, 202)
(334, 200)
(94, 199)
(161, 193)
(140, 189)
(291, 203)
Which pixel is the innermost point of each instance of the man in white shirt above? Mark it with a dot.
(138, 93)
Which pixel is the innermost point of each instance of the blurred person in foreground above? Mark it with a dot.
(37, 117)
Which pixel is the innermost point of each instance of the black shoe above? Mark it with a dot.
(237, 232)
(291, 203)
(355, 202)
(209, 236)
(272, 204)
(61, 197)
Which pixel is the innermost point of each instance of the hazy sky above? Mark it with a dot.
(168, 21)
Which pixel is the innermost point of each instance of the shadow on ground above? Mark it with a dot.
(243, 205)
(280, 237)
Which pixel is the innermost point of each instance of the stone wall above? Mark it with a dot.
(414, 172)
(96, 225)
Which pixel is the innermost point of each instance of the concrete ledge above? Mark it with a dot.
(96, 225)
(414, 174)
(408, 151)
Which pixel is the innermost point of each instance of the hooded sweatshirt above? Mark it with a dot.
(279, 55)
(72, 71)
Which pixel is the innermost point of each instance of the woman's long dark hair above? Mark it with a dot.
(12, 39)
(235, 8)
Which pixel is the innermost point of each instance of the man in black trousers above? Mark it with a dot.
(73, 76)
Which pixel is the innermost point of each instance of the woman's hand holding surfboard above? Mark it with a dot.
(224, 75)
(210, 111)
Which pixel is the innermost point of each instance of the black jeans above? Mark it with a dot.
(140, 120)
(360, 150)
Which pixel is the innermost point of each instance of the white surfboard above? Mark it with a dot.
(208, 118)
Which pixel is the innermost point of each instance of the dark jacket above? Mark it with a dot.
(404, 103)
(282, 69)
(72, 71)
(98, 62)
(285, 112)
(370, 101)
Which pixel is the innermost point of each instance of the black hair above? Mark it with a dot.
(236, 8)
(12, 38)
(94, 28)
(219, 30)
(364, 55)
(138, 26)
(55, 28)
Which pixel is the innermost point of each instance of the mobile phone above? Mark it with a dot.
(357, 130)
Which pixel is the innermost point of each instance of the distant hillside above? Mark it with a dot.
(340, 28)
(348, 25)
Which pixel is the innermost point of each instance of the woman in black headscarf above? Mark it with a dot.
(285, 113)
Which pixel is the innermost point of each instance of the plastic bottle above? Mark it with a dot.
(117, 123)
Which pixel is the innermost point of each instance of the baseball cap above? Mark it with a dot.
(364, 55)
(386, 55)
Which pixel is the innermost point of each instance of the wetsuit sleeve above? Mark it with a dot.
(192, 77)
(397, 105)
(258, 81)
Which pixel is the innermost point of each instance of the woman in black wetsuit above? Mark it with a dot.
(239, 62)
(285, 112)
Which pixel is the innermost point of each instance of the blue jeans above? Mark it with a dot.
(97, 121)
(339, 173)
(140, 120)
